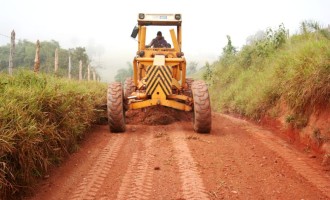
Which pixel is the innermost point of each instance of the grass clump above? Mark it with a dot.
(42, 119)
(274, 67)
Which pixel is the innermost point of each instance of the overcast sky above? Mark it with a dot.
(104, 26)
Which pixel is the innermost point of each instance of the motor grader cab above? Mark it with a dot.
(159, 79)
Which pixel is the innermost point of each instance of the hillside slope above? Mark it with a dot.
(282, 78)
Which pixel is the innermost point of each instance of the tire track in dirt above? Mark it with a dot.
(192, 183)
(294, 159)
(96, 175)
(137, 181)
(322, 182)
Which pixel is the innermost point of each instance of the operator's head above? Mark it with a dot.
(159, 35)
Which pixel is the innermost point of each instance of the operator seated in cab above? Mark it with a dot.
(159, 42)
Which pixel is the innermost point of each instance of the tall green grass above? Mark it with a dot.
(42, 120)
(254, 80)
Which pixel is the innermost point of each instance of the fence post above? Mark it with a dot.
(69, 72)
(12, 53)
(88, 72)
(94, 75)
(80, 70)
(37, 58)
(56, 61)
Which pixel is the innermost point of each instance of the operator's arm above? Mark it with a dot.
(166, 44)
(151, 43)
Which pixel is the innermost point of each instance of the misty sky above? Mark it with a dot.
(104, 26)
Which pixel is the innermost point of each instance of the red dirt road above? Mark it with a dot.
(238, 160)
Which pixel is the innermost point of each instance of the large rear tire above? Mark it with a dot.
(129, 88)
(202, 119)
(115, 108)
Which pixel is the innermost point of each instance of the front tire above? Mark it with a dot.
(202, 120)
(115, 108)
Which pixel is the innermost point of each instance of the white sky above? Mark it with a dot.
(104, 26)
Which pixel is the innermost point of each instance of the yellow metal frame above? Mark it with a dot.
(178, 65)
(161, 102)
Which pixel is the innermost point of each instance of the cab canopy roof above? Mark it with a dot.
(159, 19)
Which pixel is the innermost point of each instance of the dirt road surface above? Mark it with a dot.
(238, 160)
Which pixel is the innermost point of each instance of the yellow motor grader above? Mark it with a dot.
(159, 79)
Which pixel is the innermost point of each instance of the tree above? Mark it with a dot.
(124, 73)
(192, 67)
(4, 54)
(229, 49)
(47, 53)
(77, 54)
(207, 75)
(229, 53)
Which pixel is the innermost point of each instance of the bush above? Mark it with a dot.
(42, 119)
(295, 69)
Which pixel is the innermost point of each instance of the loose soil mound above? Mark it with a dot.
(157, 115)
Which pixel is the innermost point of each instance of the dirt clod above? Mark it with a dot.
(312, 156)
(159, 134)
(192, 137)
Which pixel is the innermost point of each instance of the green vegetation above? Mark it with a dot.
(42, 120)
(274, 68)
(124, 73)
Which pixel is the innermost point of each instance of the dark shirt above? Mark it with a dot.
(159, 43)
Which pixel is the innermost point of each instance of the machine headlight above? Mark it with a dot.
(141, 53)
(177, 16)
(141, 16)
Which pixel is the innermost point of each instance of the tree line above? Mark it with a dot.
(25, 55)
